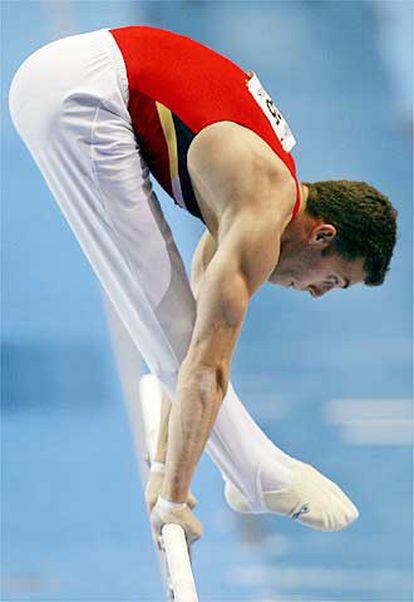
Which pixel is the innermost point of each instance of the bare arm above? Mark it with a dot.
(202, 256)
(242, 262)
(252, 204)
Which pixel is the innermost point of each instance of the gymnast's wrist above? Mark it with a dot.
(166, 505)
(173, 491)
(158, 467)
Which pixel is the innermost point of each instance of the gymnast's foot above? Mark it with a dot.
(311, 499)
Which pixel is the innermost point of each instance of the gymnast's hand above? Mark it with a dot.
(166, 512)
(154, 486)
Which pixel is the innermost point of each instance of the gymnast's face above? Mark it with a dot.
(325, 274)
(306, 265)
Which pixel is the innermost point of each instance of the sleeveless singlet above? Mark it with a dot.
(177, 87)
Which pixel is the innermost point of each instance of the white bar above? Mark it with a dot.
(143, 399)
(181, 580)
(150, 395)
(130, 366)
(175, 562)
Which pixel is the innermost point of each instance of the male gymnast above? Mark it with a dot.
(100, 112)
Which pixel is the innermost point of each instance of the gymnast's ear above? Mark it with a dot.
(322, 235)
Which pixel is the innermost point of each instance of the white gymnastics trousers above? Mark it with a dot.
(68, 101)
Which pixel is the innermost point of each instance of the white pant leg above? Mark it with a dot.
(68, 101)
(245, 455)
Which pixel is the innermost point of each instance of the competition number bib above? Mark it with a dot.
(273, 115)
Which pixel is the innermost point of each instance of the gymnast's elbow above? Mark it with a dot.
(209, 382)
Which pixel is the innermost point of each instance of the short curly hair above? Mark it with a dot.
(365, 220)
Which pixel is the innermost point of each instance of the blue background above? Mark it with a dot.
(74, 525)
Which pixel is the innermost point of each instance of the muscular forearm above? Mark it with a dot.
(222, 300)
(202, 256)
(193, 414)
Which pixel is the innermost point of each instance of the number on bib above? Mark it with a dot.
(272, 113)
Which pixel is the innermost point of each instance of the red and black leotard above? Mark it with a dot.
(177, 87)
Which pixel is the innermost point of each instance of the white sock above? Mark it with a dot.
(245, 455)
